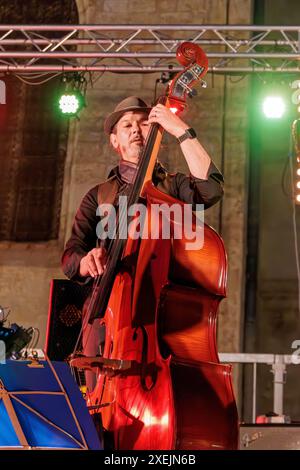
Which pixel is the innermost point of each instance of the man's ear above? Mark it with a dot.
(114, 141)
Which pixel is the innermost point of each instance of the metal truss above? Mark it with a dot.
(146, 48)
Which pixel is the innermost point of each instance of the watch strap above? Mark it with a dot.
(188, 134)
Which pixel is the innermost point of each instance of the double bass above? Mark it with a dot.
(160, 385)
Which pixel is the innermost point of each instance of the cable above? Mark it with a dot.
(35, 336)
(237, 80)
(283, 176)
(36, 83)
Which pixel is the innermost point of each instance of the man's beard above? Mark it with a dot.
(136, 155)
(128, 169)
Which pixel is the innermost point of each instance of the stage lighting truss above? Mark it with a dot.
(146, 48)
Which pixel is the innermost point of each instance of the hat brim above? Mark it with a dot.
(113, 118)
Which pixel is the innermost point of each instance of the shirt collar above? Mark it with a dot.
(125, 172)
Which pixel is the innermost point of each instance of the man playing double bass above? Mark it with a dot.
(127, 127)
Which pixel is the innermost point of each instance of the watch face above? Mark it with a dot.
(191, 133)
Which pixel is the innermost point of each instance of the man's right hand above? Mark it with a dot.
(94, 263)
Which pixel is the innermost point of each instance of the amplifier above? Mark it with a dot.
(66, 303)
(269, 437)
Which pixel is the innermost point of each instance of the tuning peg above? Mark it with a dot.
(203, 83)
(191, 93)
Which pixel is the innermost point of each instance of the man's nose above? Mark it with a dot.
(136, 128)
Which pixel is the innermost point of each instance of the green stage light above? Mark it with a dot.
(71, 97)
(71, 103)
(274, 107)
(68, 104)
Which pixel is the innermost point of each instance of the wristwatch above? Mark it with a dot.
(189, 134)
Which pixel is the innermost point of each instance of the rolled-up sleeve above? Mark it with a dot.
(194, 190)
(83, 236)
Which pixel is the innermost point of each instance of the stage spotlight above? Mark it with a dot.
(296, 143)
(72, 98)
(71, 103)
(297, 180)
(297, 192)
(274, 107)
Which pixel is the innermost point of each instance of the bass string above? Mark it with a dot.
(132, 196)
(101, 281)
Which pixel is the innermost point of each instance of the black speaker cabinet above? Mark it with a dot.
(269, 437)
(64, 317)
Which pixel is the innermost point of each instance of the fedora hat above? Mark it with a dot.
(132, 103)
